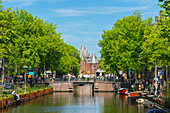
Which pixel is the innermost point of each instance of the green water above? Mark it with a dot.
(81, 100)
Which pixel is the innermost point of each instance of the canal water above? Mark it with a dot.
(81, 100)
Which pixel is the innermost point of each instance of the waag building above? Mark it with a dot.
(89, 64)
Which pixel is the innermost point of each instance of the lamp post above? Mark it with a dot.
(25, 67)
(3, 69)
(155, 79)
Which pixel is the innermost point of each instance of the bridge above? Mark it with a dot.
(96, 86)
(82, 82)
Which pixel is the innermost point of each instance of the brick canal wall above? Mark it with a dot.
(98, 87)
(62, 87)
(103, 87)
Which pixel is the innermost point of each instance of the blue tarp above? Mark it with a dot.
(31, 73)
(154, 111)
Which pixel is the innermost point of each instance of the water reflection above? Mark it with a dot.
(80, 101)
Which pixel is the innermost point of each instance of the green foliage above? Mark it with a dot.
(157, 43)
(121, 46)
(166, 6)
(28, 40)
(136, 43)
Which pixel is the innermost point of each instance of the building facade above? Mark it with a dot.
(89, 64)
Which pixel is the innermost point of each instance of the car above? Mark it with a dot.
(9, 86)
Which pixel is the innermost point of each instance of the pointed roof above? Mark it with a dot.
(82, 47)
(81, 56)
(94, 58)
(83, 52)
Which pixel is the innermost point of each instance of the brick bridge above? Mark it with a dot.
(96, 86)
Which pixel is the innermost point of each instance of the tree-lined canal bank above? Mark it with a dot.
(81, 100)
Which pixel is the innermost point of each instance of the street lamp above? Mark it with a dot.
(156, 79)
(25, 67)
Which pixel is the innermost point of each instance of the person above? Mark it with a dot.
(149, 89)
(16, 96)
(159, 98)
(142, 87)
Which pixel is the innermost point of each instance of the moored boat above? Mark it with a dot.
(148, 104)
(135, 94)
(154, 111)
(123, 91)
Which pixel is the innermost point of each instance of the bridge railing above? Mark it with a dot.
(84, 79)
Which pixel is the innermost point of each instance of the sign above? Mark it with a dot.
(31, 73)
(29, 76)
(88, 71)
(160, 76)
(139, 75)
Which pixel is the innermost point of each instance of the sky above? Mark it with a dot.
(83, 21)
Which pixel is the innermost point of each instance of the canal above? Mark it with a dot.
(81, 100)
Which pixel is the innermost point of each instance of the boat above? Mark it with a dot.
(154, 111)
(134, 94)
(140, 100)
(123, 91)
(148, 104)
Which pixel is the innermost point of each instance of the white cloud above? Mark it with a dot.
(69, 38)
(72, 25)
(30, 2)
(94, 10)
(23, 2)
(89, 33)
(150, 13)
(141, 1)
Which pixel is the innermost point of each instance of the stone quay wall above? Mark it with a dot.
(98, 87)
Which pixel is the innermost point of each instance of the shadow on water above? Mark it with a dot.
(81, 100)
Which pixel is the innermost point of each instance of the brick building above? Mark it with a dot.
(89, 64)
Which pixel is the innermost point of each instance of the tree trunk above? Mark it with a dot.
(169, 73)
(166, 73)
(52, 72)
(145, 75)
(38, 71)
(127, 74)
(117, 73)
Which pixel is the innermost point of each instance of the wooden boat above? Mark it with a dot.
(135, 94)
(123, 91)
(140, 100)
(148, 104)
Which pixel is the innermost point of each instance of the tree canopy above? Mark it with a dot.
(136, 43)
(28, 40)
(121, 46)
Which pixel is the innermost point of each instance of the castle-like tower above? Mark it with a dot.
(89, 64)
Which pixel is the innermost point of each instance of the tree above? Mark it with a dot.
(166, 6)
(121, 46)
(28, 40)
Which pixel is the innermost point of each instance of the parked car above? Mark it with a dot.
(9, 86)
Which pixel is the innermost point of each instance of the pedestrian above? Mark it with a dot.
(149, 89)
(142, 87)
(16, 96)
(117, 78)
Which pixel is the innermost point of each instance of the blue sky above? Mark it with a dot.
(84, 20)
